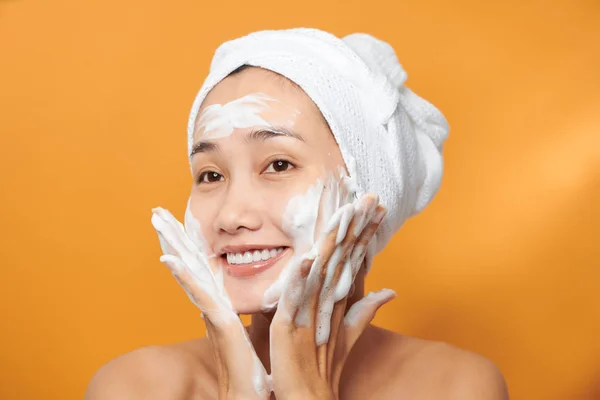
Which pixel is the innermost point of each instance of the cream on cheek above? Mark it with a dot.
(261, 381)
(326, 204)
(194, 231)
(330, 202)
(305, 219)
(253, 110)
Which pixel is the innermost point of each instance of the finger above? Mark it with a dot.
(293, 291)
(175, 241)
(202, 293)
(362, 243)
(329, 316)
(317, 275)
(194, 232)
(340, 283)
(342, 275)
(185, 279)
(195, 271)
(332, 271)
(336, 325)
(213, 335)
(166, 216)
(171, 233)
(351, 221)
(162, 231)
(345, 270)
(362, 313)
(322, 300)
(329, 313)
(369, 207)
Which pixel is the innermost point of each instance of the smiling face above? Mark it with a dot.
(260, 141)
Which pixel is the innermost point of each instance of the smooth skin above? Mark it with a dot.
(360, 361)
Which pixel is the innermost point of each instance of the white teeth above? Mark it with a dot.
(265, 255)
(249, 257)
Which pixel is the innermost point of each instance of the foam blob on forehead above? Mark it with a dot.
(255, 109)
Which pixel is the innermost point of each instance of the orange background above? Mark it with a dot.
(94, 97)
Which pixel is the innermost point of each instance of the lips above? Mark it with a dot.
(250, 268)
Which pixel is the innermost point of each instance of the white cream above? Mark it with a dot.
(184, 246)
(220, 120)
(331, 201)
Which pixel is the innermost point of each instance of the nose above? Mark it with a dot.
(239, 212)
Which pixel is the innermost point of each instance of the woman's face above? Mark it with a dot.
(260, 142)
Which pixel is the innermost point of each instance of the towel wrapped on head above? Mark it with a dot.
(390, 139)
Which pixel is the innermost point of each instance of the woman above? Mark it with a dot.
(307, 153)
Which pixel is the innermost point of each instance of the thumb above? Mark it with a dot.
(362, 313)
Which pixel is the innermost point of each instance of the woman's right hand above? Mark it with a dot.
(241, 375)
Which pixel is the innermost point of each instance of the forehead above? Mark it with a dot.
(257, 80)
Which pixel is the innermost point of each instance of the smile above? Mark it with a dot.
(250, 257)
(251, 262)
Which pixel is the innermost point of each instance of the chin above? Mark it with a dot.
(246, 285)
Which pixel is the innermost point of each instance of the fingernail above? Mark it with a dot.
(388, 292)
(170, 263)
(383, 295)
(379, 215)
(375, 198)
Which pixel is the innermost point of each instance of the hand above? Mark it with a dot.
(310, 337)
(241, 375)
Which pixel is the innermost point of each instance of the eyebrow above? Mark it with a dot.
(262, 135)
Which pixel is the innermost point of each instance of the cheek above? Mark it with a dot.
(273, 200)
(310, 211)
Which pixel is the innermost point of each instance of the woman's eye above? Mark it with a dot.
(210, 177)
(279, 166)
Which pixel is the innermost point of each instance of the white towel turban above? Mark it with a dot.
(390, 138)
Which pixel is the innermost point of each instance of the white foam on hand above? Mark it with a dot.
(185, 251)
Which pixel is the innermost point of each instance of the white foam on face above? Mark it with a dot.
(332, 201)
(194, 231)
(184, 246)
(220, 120)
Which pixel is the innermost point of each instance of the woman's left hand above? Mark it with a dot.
(310, 335)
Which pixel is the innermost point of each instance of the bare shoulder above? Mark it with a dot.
(179, 371)
(399, 365)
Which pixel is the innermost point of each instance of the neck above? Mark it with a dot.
(259, 330)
